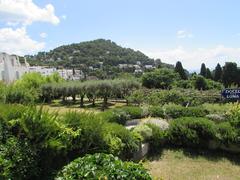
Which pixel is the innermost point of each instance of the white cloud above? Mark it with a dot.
(18, 42)
(43, 35)
(192, 58)
(26, 12)
(181, 34)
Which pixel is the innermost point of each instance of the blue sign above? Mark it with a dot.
(231, 93)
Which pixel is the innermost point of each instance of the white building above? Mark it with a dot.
(10, 67)
(46, 71)
(68, 74)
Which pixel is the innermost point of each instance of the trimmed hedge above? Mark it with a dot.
(177, 111)
(191, 132)
(102, 166)
(122, 115)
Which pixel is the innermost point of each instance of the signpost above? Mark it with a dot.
(233, 94)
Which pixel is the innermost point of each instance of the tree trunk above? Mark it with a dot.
(74, 97)
(104, 106)
(81, 101)
(127, 102)
(93, 101)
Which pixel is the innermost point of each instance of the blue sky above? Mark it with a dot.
(192, 31)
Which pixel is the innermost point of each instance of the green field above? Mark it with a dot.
(185, 165)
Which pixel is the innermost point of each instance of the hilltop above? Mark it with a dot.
(90, 53)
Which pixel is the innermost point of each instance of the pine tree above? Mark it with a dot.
(208, 74)
(218, 73)
(230, 74)
(203, 70)
(179, 69)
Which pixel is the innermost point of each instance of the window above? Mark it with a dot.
(3, 78)
(17, 75)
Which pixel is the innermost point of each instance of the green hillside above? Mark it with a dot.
(90, 54)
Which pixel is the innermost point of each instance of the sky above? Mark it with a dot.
(190, 31)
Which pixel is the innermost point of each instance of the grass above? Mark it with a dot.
(61, 108)
(186, 165)
(218, 108)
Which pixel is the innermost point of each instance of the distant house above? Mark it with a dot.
(46, 71)
(68, 74)
(138, 63)
(125, 66)
(149, 67)
(10, 67)
(138, 71)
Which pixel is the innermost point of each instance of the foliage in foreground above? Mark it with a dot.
(102, 166)
(36, 144)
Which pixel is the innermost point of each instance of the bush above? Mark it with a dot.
(91, 131)
(176, 111)
(102, 166)
(216, 117)
(122, 115)
(144, 131)
(191, 132)
(160, 78)
(156, 111)
(17, 160)
(227, 134)
(128, 141)
(158, 138)
(15, 94)
(167, 96)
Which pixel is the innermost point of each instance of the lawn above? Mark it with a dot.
(61, 108)
(186, 165)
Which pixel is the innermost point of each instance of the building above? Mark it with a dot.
(46, 71)
(10, 67)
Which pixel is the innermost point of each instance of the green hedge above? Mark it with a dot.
(191, 132)
(122, 115)
(177, 111)
(102, 166)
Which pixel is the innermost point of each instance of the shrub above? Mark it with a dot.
(10, 111)
(134, 112)
(156, 111)
(162, 124)
(91, 131)
(227, 134)
(167, 96)
(128, 142)
(158, 138)
(117, 116)
(176, 111)
(15, 94)
(144, 131)
(102, 166)
(17, 160)
(216, 117)
(191, 132)
(122, 115)
(160, 78)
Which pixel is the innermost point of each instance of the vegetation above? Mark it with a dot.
(102, 166)
(164, 108)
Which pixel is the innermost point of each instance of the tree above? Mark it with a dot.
(218, 73)
(230, 74)
(160, 78)
(179, 69)
(200, 82)
(208, 74)
(203, 70)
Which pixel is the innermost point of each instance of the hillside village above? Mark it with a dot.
(11, 69)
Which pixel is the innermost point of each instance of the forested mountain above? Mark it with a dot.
(90, 53)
